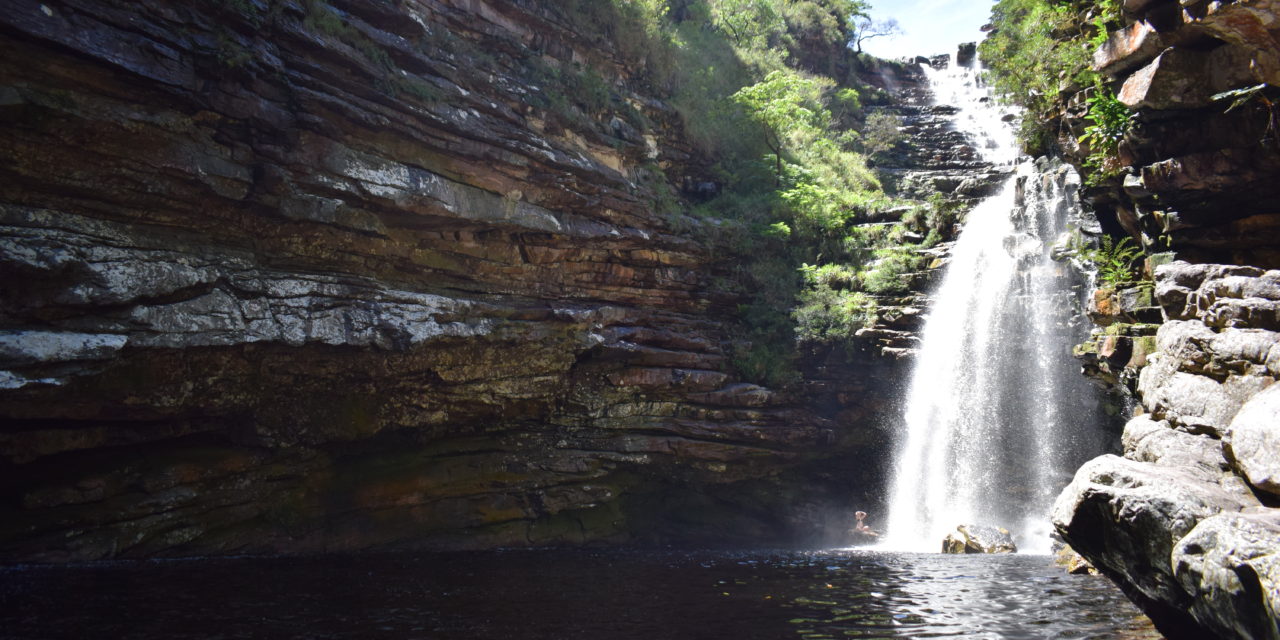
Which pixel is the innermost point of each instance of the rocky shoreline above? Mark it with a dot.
(1187, 519)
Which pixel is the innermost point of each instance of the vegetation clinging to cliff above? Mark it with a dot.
(1040, 49)
(768, 90)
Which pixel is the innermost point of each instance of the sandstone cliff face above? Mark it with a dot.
(298, 276)
(1188, 520)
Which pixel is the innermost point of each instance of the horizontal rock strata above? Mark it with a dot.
(1200, 160)
(295, 277)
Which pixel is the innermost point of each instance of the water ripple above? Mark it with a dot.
(559, 595)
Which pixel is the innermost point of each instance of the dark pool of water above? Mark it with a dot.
(602, 595)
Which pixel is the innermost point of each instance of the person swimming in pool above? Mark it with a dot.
(861, 527)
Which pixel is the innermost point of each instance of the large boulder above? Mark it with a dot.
(1128, 48)
(1127, 516)
(1185, 78)
(1185, 522)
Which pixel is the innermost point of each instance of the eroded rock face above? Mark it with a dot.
(1184, 522)
(1233, 563)
(1199, 170)
(275, 283)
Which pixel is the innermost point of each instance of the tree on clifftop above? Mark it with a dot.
(864, 28)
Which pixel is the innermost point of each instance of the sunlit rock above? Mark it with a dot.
(1254, 440)
(1182, 78)
(973, 538)
(1147, 440)
(1074, 563)
(1126, 516)
(1127, 48)
(1231, 564)
(1181, 520)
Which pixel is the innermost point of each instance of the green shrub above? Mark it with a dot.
(830, 315)
(1110, 121)
(882, 132)
(889, 273)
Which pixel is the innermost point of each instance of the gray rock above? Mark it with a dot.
(1199, 403)
(1230, 564)
(1254, 440)
(1184, 274)
(1243, 313)
(32, 347)
(1181, 285)
(1183, 78)
(1243, 351)
(1126, 516)
(1241, 286)
(1147, 440)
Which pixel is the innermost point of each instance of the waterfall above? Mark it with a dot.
(997, 414)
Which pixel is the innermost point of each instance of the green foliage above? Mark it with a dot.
(834, 276)
(780, 230)
(1108, 13)
(824, 184)
(785, 103)
(1117, 262)
(889, 274)
(1037, 48)
(826, 314)
(1111, 121)
(882, 132)
(748, 22)
(1241, 97)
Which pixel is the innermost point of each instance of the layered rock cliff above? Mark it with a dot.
(1188, 520)
(306, 276)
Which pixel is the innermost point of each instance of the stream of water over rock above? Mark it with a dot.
(998, 415)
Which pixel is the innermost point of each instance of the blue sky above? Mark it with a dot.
(931, 26)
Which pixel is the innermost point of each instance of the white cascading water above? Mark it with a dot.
(998, 415)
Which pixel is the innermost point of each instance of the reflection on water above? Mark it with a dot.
(570, 594)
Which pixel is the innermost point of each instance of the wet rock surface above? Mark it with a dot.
(268, 284)
(975, 538)
(934, 160)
